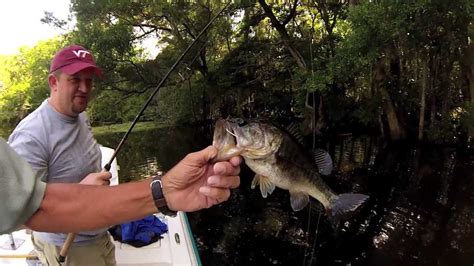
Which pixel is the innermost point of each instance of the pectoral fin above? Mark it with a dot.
(266, 186)
(298, 200)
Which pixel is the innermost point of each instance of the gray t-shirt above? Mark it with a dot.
(62, 150)
(20, 192)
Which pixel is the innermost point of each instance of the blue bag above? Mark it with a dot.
(141, 232)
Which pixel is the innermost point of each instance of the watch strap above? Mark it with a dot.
(156, 187)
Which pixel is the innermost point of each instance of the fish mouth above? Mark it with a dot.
(225, 140)
(233, 128)
(244, 134)
(235, 137)
(230, 128)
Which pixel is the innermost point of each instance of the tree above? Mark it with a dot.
(405, 68)
(115, 29)
(25, 82)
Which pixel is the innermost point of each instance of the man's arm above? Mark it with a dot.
(191, 185)
(20, 191)
(86, 207)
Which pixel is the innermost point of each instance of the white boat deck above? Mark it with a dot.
(175, 248)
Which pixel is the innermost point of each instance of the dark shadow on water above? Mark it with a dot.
(421, 210)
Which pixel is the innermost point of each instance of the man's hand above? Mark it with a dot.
(195, 183)
(101, 179)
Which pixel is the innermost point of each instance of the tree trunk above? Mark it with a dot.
(395, 130)
(381, 125)
(467, 68)
(424, 84)
(321, 122)
(309, 113)
(470, 58)
(467, 63)
(308, 124)
(281, 29)
(433, 77)
(445, 67)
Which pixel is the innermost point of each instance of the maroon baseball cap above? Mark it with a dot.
(73, 59)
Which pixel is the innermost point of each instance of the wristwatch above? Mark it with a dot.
(156, 187)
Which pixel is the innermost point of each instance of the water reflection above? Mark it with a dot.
(146, 152)
(420, 211)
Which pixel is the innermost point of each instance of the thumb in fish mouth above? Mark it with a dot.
(226, 152)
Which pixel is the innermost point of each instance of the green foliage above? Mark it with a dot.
(180, 104)
(367, 111)
(443, 130)
(242, 65)
(319, 82)
(407, 34)
(115, 29)
(25, 80)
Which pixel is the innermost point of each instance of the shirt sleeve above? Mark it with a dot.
(21, 191)
(31, 150)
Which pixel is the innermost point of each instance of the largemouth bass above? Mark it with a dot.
(280, 161)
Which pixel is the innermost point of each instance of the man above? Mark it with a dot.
(191, 185)
(57, 142)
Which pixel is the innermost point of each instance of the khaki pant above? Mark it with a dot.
(100, 252)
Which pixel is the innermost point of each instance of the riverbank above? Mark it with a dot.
(124, 127)
(100, 130)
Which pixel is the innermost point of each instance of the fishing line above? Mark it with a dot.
(315, 240)
(315, 235)
(307, 234)
(314, 146)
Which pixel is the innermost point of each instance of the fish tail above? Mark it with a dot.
(344, 206)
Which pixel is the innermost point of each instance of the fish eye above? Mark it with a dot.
(242, 122)
(239, 121)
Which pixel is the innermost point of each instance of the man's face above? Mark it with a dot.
(70, 93)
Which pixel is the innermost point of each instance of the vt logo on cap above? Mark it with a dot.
(81, 53)
(73, 59)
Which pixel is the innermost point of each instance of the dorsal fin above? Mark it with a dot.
(323, 161)
(294, 131)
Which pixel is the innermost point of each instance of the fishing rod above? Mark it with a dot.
(119, 146)
(19, 256)
(71, 236)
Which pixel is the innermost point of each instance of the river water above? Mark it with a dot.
(420, 212)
